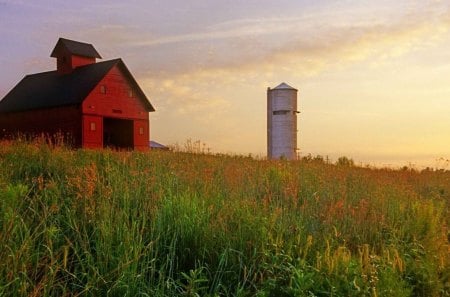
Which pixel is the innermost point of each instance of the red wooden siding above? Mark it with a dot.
(116, 102)
(67, 61)
(63, 120)
(114, 97)
(78, 61)
(92, 131)
(141, 134)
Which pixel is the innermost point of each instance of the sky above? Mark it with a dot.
(373, 76)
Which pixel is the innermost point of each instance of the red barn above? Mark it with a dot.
(93, 105)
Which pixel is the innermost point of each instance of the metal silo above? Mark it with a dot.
(282, 122)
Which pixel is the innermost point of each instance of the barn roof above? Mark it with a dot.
(50, 89)
(76, 48)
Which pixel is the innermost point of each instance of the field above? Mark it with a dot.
(105, 223)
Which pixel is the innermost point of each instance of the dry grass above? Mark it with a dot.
(98, 223)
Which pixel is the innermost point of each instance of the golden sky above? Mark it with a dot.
(373, 76)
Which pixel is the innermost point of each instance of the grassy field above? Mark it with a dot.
(104, 223)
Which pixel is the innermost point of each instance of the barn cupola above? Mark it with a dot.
(71, 54)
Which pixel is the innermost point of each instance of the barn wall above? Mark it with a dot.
(141, 134)
(116, 102)
(78, 61)
(92, 131)
(65, 121)
(119, 101)
(66, 61)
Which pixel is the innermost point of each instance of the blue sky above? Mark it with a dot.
(373, 76)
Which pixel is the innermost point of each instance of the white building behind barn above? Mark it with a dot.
(282, 122)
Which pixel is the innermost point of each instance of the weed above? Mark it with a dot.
(108, 223)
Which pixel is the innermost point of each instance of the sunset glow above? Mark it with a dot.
(373, 77)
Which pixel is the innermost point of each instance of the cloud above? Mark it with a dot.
(203, 89)
(206, 70)
(184, 97)
(306, 56)
(305, 44)
(232, 29)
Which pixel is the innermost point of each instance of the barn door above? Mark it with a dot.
(92, 132)
(117, 133)
(141, 137)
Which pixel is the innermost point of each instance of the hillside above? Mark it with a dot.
(97, 223)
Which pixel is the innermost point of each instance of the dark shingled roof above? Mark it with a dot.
(50, 89)
(76, 48)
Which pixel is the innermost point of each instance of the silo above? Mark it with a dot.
(282, 122)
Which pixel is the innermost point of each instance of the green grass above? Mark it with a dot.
(105, 223)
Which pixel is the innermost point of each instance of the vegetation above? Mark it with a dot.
(106, 223)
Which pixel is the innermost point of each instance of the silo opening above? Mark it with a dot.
(280, 112)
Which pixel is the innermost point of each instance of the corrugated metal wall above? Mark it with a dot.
(282, 123)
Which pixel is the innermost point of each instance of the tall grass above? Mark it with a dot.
(106, 223)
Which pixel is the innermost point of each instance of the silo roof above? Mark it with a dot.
(284, 86)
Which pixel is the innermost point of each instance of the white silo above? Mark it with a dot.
(282, 122)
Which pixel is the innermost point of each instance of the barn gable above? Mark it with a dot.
(109, 107)
(121, 69)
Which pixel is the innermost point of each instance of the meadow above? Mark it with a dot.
(108, 223)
